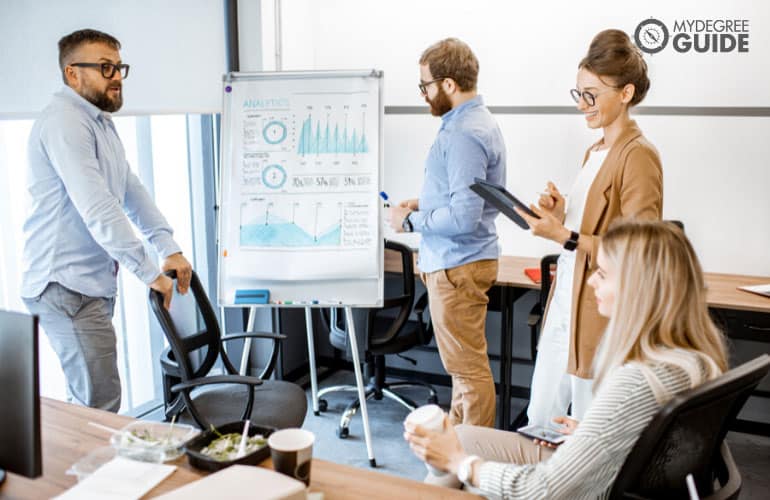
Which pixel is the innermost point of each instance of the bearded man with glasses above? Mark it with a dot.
(83, 197)
(459, 248)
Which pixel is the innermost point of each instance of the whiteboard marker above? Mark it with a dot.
(384, 197)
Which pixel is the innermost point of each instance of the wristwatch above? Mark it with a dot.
(406, 225)
(465, 469)
(572, 242)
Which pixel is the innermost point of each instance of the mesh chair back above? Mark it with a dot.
(197, 351)
(686, 435)
(397, 306)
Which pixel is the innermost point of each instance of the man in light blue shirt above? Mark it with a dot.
(82, 195)
(459, 248)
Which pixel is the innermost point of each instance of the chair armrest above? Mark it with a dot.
(217, 379)
(732, 486)
(535, 315)
(249, 335)
(421, 304)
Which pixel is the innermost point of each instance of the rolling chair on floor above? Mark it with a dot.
(687, 437)
(192, 394)
(379, 333)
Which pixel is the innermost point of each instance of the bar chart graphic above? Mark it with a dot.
(328, 137)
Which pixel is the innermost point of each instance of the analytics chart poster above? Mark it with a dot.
(301, 180)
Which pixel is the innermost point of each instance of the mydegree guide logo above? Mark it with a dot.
(693, 35)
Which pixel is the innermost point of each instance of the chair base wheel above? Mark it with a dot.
(372, 462)
(323, 405)
(317, 413)
(343, 432)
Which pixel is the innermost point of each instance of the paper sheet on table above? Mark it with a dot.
(241, 482)
(758, 289)
(119, 479)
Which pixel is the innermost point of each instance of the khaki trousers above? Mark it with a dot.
(458, 309)
(493, 445)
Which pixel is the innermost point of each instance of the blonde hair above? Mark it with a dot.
(660, 314)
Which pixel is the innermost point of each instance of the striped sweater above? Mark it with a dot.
(586, 465)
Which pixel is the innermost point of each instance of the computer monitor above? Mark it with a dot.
(20, 395)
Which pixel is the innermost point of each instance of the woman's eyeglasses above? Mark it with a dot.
(588, 97)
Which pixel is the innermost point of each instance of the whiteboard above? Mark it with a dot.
(300, 215)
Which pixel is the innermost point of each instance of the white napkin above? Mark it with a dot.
(119, 479)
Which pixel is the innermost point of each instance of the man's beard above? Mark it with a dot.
(102, 100)
(439, 104)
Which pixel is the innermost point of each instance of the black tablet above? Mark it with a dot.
(502, 200)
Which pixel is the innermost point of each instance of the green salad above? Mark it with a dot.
(225, 447)
(145, 438)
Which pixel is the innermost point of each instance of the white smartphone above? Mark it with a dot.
(549, 435)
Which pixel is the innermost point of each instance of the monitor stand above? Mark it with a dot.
(2, 476)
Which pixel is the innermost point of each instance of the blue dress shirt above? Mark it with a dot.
(457, 225)
(81, 195)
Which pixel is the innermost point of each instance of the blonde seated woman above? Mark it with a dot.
(659, 341)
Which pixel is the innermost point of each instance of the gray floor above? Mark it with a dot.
(751, 453)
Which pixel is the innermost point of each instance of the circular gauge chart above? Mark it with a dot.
(273, 176)
(274, 132)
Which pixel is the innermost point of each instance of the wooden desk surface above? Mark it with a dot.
(722, 288)
(67, 437)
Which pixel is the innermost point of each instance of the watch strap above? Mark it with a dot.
(465, 469)
(572, 242)
(407, 223)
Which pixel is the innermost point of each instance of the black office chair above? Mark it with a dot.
(188, 390)
(382, 331)
(535, 318)
(687, 437)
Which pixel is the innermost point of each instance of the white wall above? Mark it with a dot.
(528, 51)
(175, 49)
(715, 173)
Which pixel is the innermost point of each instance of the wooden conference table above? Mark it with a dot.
(512, 283)
(67, 437)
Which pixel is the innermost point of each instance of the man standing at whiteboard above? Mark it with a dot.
(82, 195)
(459, 249)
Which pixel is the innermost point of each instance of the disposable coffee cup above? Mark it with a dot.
(292, 453)
(430, 417)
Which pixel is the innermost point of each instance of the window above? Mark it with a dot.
(157, 150)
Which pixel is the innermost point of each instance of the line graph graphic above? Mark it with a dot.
(329, 137)
(290, 224)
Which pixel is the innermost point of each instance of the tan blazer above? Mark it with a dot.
(628, 184)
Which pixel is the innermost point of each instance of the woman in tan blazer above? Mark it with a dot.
(621, 176)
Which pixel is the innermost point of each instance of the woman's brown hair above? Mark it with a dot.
(613, 55)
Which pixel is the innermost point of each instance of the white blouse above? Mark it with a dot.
(557, 323)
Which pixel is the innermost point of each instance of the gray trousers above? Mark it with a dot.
(80, 331)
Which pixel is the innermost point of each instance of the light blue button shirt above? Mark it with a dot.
(458, 226)
(81, 194)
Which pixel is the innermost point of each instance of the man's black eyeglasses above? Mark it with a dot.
(108, 69)
(423, 86)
